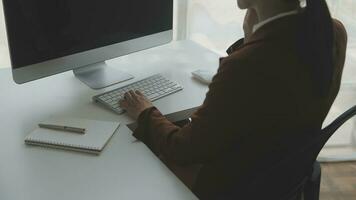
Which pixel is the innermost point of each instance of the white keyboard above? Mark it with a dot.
(153, 87)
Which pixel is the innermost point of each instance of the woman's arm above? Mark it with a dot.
(213, 126)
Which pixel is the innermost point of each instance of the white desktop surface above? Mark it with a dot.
(125, 169)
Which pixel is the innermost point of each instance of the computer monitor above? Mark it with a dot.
(47, 37)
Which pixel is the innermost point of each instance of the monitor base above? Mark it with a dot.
(100, 75)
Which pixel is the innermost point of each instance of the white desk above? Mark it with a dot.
(125, 169)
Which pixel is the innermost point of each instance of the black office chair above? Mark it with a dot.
(295, 177)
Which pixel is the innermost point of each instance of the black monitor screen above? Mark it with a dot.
(41, 30)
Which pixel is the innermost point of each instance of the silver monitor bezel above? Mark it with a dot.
(59, 65)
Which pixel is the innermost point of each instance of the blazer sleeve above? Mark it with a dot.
(209, 133)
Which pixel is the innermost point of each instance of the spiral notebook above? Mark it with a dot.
(96, 136)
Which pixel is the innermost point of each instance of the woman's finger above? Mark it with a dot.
(142, 95)
(139, 93)
(133, 95)
(127, 97)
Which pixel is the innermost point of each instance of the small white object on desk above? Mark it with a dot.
(204, 76)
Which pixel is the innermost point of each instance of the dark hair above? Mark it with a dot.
(317, 44)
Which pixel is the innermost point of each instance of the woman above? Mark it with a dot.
(284, 75)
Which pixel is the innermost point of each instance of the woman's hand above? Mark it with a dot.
(251, 19)
(134, 103)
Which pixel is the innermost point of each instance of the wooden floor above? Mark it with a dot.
(338, 181)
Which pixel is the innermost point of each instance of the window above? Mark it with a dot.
(217, 24)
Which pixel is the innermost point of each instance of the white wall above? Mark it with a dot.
(345, 10)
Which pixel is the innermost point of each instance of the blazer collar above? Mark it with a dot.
(275, 30)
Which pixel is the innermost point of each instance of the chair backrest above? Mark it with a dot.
(286, 178)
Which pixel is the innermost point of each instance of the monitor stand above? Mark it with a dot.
(100, 75)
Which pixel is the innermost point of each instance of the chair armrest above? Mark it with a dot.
(312, 186)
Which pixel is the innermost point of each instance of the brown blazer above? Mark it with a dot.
(260, 93)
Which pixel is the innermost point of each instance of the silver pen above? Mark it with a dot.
(63, 128)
